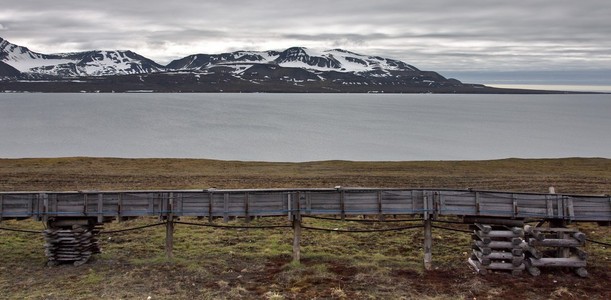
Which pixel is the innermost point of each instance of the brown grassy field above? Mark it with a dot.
(256, 264)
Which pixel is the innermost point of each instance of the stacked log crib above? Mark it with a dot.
(497, 247)
(555, 247)
(74, 243)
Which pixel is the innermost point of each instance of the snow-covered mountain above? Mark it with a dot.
(294, 69)
(117, 62)
(296, 57)
(87, 63)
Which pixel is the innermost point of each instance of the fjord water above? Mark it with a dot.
(305, 127)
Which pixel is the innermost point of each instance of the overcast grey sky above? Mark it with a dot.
(442, 35)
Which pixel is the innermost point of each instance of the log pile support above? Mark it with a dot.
(497, 247)
(71, 241)
(555, 247)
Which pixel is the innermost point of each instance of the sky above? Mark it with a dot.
(540, 41)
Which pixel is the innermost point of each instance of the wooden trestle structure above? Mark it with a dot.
(502, 240)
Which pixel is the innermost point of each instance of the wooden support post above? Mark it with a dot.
(297, 239)
(169, 229)
(296, 216)
(428, 244)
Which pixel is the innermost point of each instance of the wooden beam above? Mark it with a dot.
(169, 229)
(296, 229)
(428, 244)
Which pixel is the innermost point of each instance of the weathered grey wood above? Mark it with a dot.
(226, 207)
(119, 206)
(505, 266)
(210, 199)
(550, 209)
(494, 221)
(323, 201)
(45, 210)
(538, 235)
(496, 234)
(296, 231)
(571, 210)
(342, 204)
(573, 262)
(428, 244)
(515, 205)
(100, 208)
(482, 258)
(246, 207)
(534, 271)
(485, 239)
(169, 231)
(477, 266)
(556, 243)
(531, 250)
(483, 227)
(501, 255)
(380, 214)
(481, 247)
(497, 244)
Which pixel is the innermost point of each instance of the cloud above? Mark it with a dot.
(436, 34)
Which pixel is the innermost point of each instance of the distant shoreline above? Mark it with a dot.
(113, 86)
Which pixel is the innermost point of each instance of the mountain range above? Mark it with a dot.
(296, 69)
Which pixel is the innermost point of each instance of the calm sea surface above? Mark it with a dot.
(302, 127)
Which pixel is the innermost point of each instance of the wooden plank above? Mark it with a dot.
(379, 198)
(45, 204)
(308, 203)
(29, 204)
(100, 208)
(342, 204)
(246, 207)
(210, 199)
(151, 205)
(571, 211)
(226, 207)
